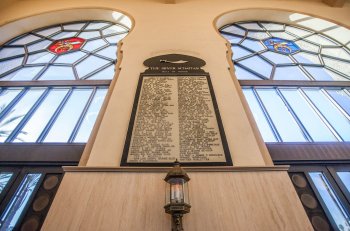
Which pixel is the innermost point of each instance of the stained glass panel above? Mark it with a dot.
(289, 45)
(72, 44)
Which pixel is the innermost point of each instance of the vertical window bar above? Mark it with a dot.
(54, 117)
(319, 113)
(301, 126)
(28, 115)
(347, 91)
(82, 116)
(267, 116)
(330, 98)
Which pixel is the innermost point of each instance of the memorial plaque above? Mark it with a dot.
(175, 116)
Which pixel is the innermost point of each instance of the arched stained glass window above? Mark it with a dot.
(76, 60)
(296, 80)
(82, 50)
(273, 51)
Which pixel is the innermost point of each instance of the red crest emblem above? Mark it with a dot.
(66, 45)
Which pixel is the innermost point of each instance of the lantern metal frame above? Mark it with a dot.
(177, 208)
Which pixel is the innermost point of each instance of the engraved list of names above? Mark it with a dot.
(175, 119)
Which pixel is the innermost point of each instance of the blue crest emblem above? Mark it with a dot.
(281, 45)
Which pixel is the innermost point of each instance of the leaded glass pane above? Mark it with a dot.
(19, 201)
(24, 74)
(320, 40)
(307, 58)
(70, 57)
(289, 73)
(64, 34)
(109, 52)
(42, 45)
(253, 45)
(74, 26)
(90, 64)
(343, 67)
(304, 45)
(8, 52)
(106, 73)
(277, 58)
(94, 45)
(58, 73)
(96, 25)
(115, 38)
(251, 26)
(272, 26)
(257, 65)
(241, 73)
(297, 31)
(336, 53)
(283, 35)
(8, 65)
(232, 38)
(239, 52)
(49, 31)
(89, 35)
(25, 39)
(42, 57)
(258, 35)
(322, 74)
(113, 29)
(234, 30)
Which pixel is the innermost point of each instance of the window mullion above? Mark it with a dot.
(320, 114)
(54, 117)
(82, 116)
(267, 116)
(296, 118)
(28, 115)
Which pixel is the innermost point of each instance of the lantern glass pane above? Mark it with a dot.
(176, 190)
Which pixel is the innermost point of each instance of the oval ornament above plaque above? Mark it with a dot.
(174, 60)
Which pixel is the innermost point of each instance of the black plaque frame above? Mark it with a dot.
(163, 66)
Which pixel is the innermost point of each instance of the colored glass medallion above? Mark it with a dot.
(65, 45)
(281, 45)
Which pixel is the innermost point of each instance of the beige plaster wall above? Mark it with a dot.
(222, 201)
(186, 27)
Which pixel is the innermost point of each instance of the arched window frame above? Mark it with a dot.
(292, 151)
(63, 152)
